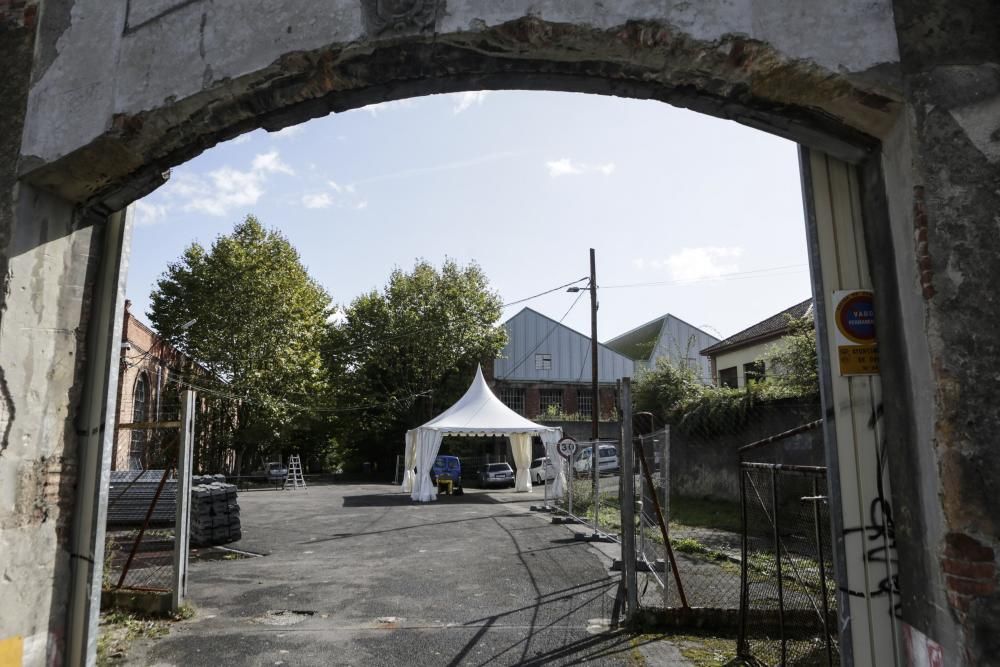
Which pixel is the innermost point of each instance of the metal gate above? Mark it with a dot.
(788, 595)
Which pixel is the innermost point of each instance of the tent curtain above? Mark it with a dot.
(520, 445)
(409, 460)
(550, 439)
(428, 446)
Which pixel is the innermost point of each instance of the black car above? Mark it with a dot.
(496, 474)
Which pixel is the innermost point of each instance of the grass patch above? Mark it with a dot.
(119, 629)
(709, 651)
(705, 513)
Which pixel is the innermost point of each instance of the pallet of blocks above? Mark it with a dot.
(215, 511)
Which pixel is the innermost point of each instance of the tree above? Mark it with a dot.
(403, 354)
(792, 360)
(249, 313)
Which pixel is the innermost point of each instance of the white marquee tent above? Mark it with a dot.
(478, 413)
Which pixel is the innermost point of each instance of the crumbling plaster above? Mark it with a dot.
(229, 66)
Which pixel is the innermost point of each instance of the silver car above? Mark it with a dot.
(496, 474)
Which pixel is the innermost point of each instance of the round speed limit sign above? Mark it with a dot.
(566, 447)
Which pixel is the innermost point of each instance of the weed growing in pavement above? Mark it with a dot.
(119, 629)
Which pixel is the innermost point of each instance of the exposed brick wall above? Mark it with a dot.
(970, 570)
(147, 354)
(570, 392)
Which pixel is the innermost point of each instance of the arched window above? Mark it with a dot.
(140, 413)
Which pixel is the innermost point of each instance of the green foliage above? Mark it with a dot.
(247, 310)
(792, 361)
(663, 389)
(409, 351)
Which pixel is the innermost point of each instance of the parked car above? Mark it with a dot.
(447, 467)
(542, 470)
(496, 474)
(273, 472)
(607, 460)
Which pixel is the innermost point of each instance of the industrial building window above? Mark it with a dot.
(543, 362)
(584, 402)
(140, 413)
(551, 401)
(753, 372)
(513, 398)
(729, 378)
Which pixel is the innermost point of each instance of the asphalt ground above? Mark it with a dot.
(360, 575)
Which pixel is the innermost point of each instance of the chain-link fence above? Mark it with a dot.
(145, 550)
(586, 498)
(139, 547)
(788, 610)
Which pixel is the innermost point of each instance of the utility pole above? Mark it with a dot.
(595, 396)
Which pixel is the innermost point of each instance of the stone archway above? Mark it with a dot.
(105, 96)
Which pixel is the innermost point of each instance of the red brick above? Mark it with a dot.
(969, 570)
(959, 602)
(964, 547)
(971, 586)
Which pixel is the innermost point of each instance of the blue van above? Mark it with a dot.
(447, 467)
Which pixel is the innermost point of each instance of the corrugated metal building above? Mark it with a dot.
(666, 337)
(545, 369)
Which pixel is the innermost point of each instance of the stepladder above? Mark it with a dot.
(294, 479)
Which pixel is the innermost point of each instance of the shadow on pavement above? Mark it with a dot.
(403, 500)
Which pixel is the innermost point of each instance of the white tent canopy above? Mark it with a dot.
(478, 413)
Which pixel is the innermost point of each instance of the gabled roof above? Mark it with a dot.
(558, 324)
(772, 327)
(640, 343)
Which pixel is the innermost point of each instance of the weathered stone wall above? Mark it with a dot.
(946, 479)
(120, 91)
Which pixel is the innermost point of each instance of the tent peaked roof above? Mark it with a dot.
(480, 412)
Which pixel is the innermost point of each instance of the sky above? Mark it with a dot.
(688, 214)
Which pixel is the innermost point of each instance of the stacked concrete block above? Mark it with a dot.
(215, 512)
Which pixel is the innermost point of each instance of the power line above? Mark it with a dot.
(554, 327)
(550, 291)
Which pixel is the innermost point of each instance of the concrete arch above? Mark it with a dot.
(832, 98)
(105, 95)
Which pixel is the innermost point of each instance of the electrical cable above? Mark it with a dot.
(546, 337)
(554, 289)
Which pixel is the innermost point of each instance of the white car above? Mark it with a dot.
(607, 460)
(541, 470)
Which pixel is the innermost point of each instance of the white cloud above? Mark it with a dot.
(287, 132)
(317, 200)
(336, 187)
(695, 263)
(271, 163)
(147, 213)
(223, 189)
(562, 167)
(361, 205)
(469, 98)
(566, 167)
